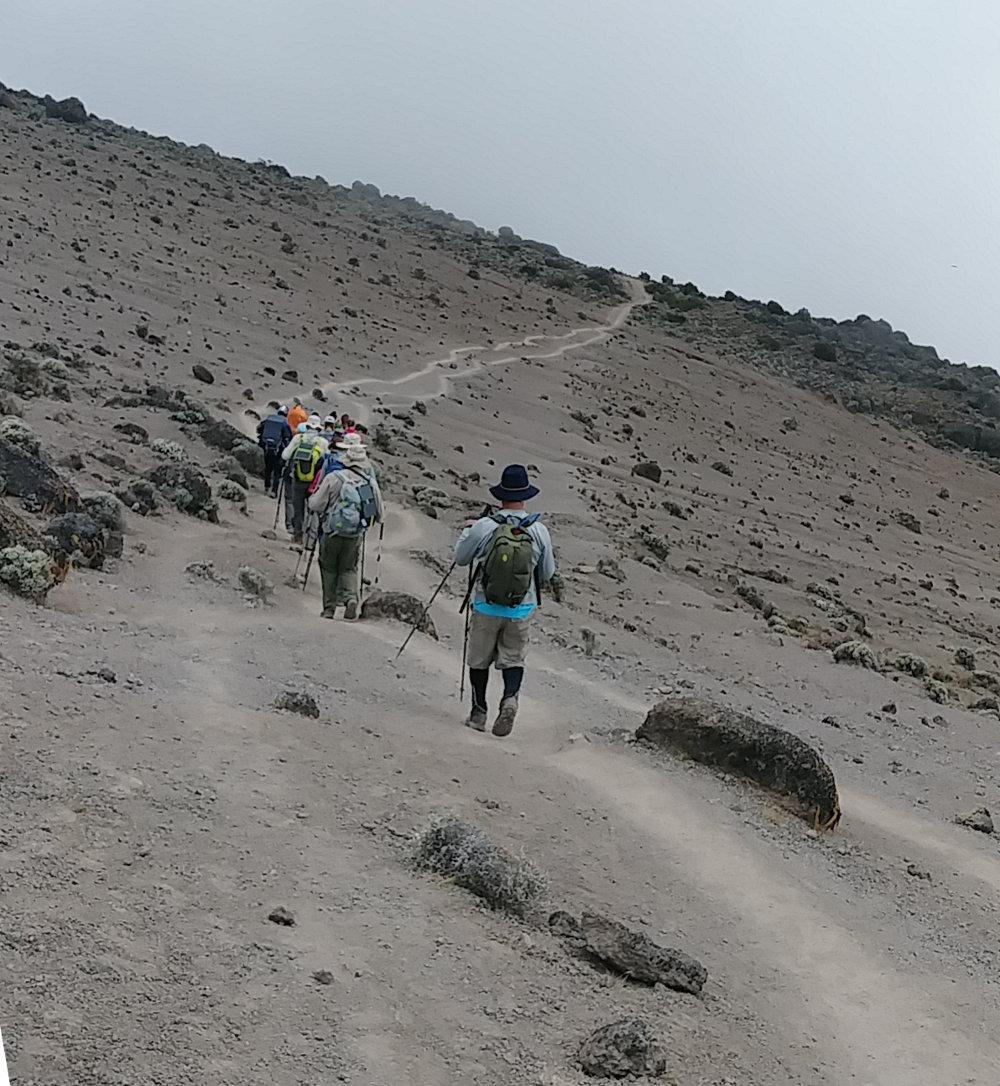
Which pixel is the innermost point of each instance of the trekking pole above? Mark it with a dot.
(465, 635)
(423, 614)
(278, 501)
(378, 553)
(361, 578)
(312, 552)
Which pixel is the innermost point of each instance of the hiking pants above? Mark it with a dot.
(273, 466)
(338, 569)
(300, 491)
(500, 642)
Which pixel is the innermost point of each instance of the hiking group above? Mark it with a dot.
(332, 497)
(321, 471)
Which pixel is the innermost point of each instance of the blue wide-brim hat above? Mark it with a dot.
(514, 485)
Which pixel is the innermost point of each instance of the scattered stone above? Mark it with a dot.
(722, 467)
(907, 520)
(203, 373)
(918, 872)
(608, 567)
(637, 957)
(205, 571)
(737, 743)
(323, 976)
(282, 916)
(791, 423)
(255, 583)
(566, 926)
(623, 1049)
(70, 110)
(648, 470)
(937, 691)
(401, 606)
(297, 701)
(889, 707)
(978, 819)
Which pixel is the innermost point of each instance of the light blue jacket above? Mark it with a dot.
(473, 544)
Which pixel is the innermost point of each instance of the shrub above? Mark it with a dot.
(104, 509)
(254, 583)
(167, 450)
(825, 351)
(27, 572)
(452, 847)
(19, 433)
(231, 491)
(910, 664)
(856, 652)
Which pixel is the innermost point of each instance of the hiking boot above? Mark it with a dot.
(297, 538)
(328, 613)
(476, 720)
(351, 609)
(504, 723)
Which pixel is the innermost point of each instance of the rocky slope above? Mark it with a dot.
(211, 796)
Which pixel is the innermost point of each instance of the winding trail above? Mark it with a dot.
(437, 377)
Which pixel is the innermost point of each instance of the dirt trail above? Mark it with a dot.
(437, 377)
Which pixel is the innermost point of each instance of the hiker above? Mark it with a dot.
(302, 455)
(297, 415)
(273, 435)
(511, 557)
(348, 502)
(329, 431)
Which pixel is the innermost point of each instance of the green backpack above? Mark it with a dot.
(306, 459)
(509, 563)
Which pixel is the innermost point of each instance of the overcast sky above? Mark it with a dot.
(841, 156)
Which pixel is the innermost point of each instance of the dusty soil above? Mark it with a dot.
(153, 823)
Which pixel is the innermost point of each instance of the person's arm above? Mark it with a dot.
(546, 560)
(290, 448)
(469, 542)
(286, 434)
(326, 494)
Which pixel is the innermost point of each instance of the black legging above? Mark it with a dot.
(273, 466)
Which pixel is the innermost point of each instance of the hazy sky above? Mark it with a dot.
(839, 155)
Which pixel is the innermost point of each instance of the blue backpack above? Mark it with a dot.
(273, 435)
(356, 508)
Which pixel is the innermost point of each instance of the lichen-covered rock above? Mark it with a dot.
(32, 478)
(965, 658)
(105, 509)
(401, 606)
(230, 492)
(221, 434)
(76, 537)
(249, 456)
(141, 496)
(856, 652)
(186, 487)
(637, 957)
(230, 468)
(255, 583)
(936, 691)
(622, 1049)
(978, 819)
(769, 756)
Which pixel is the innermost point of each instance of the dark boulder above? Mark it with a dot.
(297, 701)
(401, 606)
(737, 743)
(32, 478)
(623, 1049)
(140, 496)
(221, 435)
(70, 110)
(186, 487)
(203, 373)
(649, 471)
(78, 538)
(249, 456)
(637, 957)
(133, 431)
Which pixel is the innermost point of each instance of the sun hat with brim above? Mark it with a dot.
(352, 454)
(351, 440)
(514, 485)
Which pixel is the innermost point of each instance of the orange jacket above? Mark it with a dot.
(295, 416)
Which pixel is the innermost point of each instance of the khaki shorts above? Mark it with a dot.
(502, 642)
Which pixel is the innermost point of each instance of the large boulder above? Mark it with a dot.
(622, 1050)
(185, 486)
(32, 478)
(737, 743)
(648, 470)
(78, 538)
(401, 606)
(222, 435)
(249, 456)
(71, 110)
(637, 957)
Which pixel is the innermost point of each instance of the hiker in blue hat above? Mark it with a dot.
(510, 556)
